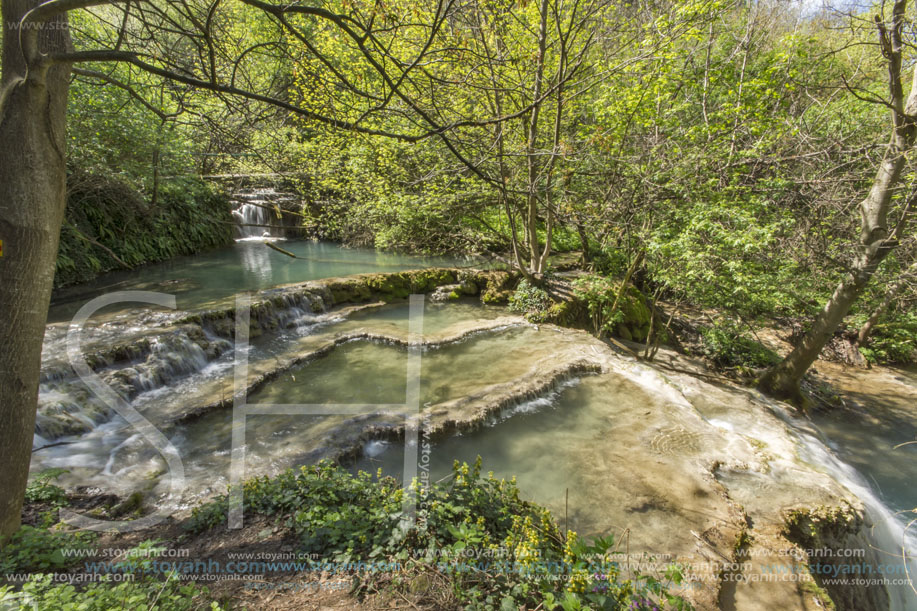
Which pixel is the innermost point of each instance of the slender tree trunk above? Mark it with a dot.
(555, 152)
(782, 380)
(746, 47)
(157, 166)
(584, 240)
(32, 202)
(531, 136)
(866, 329)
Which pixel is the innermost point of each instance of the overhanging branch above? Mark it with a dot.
(130, 90)
(135, 60)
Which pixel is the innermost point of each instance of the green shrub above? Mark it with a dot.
(627, 316)
(41, 490)
(609, 262)
(893, 341)
(563, 239)
(598, 293)
(190, 216)
(529, 299)
(41, 593)
(41, 551)
(729, 345)
(38, 549)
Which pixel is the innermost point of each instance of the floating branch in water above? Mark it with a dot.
(281, 250)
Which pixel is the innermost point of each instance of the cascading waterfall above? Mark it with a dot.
(254, 220)
(66, 407)
(155, 366)
(889, 534)
(256, 213)
(557, 438)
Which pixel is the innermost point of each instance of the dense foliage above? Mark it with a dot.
(730, 345)
(475, 542)
(110, 226)
(40, 551)
(169, 594)
(724, 143)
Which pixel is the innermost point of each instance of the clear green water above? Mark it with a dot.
(552, 445)
(111, 456)
(244, 266)
(370, 372)
(565, 448)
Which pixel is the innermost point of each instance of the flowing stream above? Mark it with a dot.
(621, 448)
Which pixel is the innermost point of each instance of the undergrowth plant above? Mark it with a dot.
(170, 594)
(40, 549)
(473, 535)
(893, 342)
(729, 345)
(529, 299)
(41, 553)
(41, 490)
(599, 293)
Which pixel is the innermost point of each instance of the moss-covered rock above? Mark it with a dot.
(426, 280)
(566, 313)
(391, 286)
(350, 290)
(636, 315)
(132, 504)
(469, 287)
(829, 531)
(498, 286)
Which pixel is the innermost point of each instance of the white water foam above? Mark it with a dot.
(889, 535)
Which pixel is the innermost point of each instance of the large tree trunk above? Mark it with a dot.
(32, 202)
(782, 380)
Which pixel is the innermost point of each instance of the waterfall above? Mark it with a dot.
(255, 213)
(67, 407)
(252, 218)
(889, 533)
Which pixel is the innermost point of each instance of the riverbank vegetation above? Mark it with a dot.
(719, 146)
(110, 225)
(475, 545)
(134, 195)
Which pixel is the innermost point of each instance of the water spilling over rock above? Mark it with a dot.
(264, 213)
